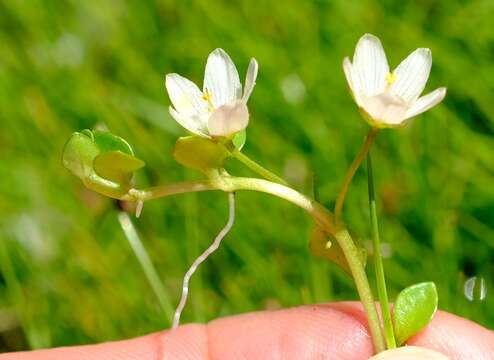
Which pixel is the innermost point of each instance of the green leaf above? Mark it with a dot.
(239, 139)
(106, 141)
(321, 245)
(116, 165)
(199, 153)
(88, 133)
(104, 162)
(78, 154)
(414, 308)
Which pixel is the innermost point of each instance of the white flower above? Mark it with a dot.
(389, 98)
(220, 109)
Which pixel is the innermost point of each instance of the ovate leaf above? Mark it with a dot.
(321, 245)
(104, 162)
(106, 141)
(78, 154)
(116, 165)
(414, 308)
(199, 153)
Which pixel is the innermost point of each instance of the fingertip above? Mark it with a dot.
(456, 337)
(187, 342)
(306, 332)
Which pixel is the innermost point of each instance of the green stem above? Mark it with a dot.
(156, 192)
(260, 170)
(378, 263)
(340, 199)
(363, 288)
(319, 213)
(146, 264)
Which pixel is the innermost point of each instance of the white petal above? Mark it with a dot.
(221, 79)
(228, 119)
(412, 75)
(185, 95)
(347, 69)
(385, 109)
(196, 124)
(352, 81)
(250, 79)
(425, 102)
(370, 66)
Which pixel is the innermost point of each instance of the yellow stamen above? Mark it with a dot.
(207, 97)
(390, 78)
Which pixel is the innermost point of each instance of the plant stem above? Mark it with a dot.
(378, 263)
(360, 277)
(319, 213)
(146, 264)
(156, 192)
(340, 199)
(260, 170)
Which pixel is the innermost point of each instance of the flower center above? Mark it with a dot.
(206, 96)
(390, 78)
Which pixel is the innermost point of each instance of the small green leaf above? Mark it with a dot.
(414, 308)
(104, 162)
(199, 153)
(321, 245)
(239, 139)
(78, 154)
(88, 133)
(106, 141)
(116, 165)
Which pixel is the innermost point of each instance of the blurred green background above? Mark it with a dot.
(68, 275)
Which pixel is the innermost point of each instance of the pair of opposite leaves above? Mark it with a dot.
(104, 162)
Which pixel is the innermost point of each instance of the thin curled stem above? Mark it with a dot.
(212, 248)
(340, 199)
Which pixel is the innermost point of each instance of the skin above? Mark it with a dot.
(327, 331)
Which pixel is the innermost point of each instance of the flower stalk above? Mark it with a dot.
(340, 199)
(254, 166)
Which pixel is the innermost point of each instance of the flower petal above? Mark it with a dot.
(196, 124)
(370, 66)
(250, 79)
(425, 102)
(185, 95)
(229, 119)
(412, 75)
(352, 80)
(347, 69)
(221, 79)
(386, 110)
